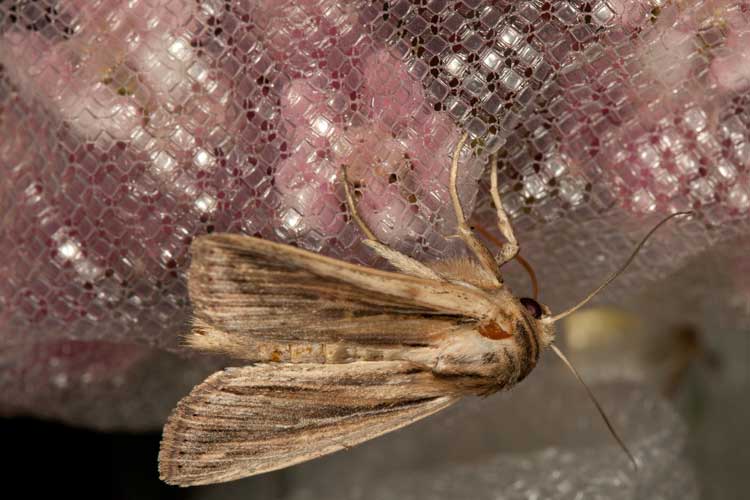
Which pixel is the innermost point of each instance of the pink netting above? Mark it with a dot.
(130, 127)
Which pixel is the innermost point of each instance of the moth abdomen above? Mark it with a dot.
(251, 348)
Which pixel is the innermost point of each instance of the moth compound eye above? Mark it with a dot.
(533, 307)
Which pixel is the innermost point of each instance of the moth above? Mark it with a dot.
(338, 353)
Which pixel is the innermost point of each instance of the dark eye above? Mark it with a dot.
(533, 307)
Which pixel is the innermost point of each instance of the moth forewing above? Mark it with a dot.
(228, 260)
(263, 301)
(245, 421)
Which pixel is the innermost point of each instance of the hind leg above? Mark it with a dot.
(402, 262)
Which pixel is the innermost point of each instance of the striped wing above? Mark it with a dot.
(245, 421)
(259, 300)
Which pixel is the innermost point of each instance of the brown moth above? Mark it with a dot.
(341, 353)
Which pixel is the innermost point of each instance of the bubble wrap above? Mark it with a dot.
(458, 455)
(129, 127)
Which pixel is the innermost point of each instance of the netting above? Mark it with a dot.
(131, 127)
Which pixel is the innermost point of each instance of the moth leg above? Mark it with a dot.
(402, 262)
(353, 207)
(464, 231)
(510, 248)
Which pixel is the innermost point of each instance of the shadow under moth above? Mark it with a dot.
(340, 353)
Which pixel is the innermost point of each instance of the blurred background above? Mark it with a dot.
(128, 128)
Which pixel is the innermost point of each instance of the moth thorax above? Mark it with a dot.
(491, 330)
(528, 347)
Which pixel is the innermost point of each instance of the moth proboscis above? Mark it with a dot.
(340, 353)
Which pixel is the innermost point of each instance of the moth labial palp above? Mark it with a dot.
(340, 353)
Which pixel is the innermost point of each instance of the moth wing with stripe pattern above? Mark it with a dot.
(245, 421)
(258, 300)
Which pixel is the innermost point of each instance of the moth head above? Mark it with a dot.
(515, 314)
(510, 340)
(538, 316)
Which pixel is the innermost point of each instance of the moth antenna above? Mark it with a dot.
(617, 273)
(524, 263)
(598, 406)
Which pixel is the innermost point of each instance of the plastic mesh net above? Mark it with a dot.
(130, 127)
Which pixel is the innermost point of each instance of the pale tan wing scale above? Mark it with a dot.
(260, 301)
(245, 421)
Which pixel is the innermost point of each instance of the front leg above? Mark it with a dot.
(464, 231)
(509, 249)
